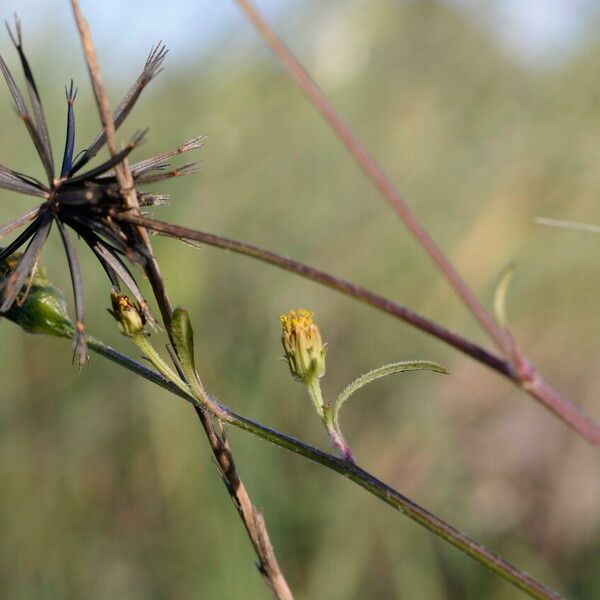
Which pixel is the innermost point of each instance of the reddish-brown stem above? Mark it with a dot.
(375, 173)
(332, 281)
(251, 517)
(522, 374)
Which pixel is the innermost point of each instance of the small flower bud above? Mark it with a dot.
(41, 308)
(304, 349)
(128, 314)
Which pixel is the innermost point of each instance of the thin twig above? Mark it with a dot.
(250, 515)
(332, 281)
(524, 376)
(347, 469)
(375, 173)
(251, 518)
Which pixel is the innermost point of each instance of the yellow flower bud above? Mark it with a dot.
(304, 349)
(128, 314)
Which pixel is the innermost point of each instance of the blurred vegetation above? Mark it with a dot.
(108, 489)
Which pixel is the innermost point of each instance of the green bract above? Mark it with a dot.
(42, 309)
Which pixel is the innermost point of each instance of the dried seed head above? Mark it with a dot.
(80, 199)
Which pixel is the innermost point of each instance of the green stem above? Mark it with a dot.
(314, 391)
(143, 343)
(351, 471)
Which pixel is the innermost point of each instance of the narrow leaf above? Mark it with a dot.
(12, 284)
(77, 283)
(24, 113)
(384, 371)
(67, 161)
(23, 237)
(111, 162)
(183, 340)
(115, 267)
(11, 180)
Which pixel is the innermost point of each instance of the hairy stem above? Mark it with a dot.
(314, 391)
(142, 342)
(349, 470)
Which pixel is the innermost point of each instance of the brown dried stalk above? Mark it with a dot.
(526, 374)
(249, 514)
(122, 170)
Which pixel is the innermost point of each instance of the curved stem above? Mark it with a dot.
(376, 174)
(351, 471)
(523, 374)
(332, 281)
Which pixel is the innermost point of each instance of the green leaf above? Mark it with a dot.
(183, 340)
(384, 371)
(501, 293)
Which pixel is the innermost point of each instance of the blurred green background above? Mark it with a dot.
(107, 487)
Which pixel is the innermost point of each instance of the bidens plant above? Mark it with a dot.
(101, 206)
